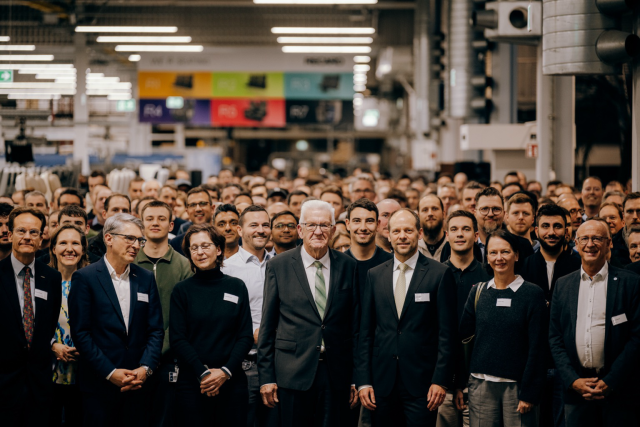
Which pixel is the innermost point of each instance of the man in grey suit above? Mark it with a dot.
(594, 335)
(309, 329)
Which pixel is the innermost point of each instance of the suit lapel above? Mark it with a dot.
(334, 279)
(133, 299)
(11, 292)
(387, 287)
(574, 295)
(298, 269)
(107, 285)
(419, 274)
(612, 293)
(40, 283)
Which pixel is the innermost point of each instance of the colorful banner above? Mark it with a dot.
(194, 111)
(311, 86)
(248, 85)
(248, 113)
(154, 85)
(319, 112)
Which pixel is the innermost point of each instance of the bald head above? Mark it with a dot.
(276, 208)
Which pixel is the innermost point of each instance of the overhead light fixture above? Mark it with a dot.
(359, 78)
(25, 47)
(51, 76)
(359, 88)
(326, 49)
(33, 96)
(362, 59)
(95, 76)
(98, 29)
(143, 39)
(39, 90)
(135, 58)
(316, 2)
(103, 80)
(119, 97)
(105, 92)
(321, 30)
(361, 67)
(124, 85)
(158, 48)
(26, 58)
(4, 38)
(49, 71)
(36, 85)
(27, 68)
(326, 40)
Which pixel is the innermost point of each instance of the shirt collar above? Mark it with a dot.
(514, 286)
(112, 271)
(411, 262)
(246, 256)
(18, 265)
(308, 260)
(604, 272)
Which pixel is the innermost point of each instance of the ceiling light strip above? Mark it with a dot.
(121, 29)
(158, 48)
(143, 39)
(325, 40)
(322, 30)
(326, 49)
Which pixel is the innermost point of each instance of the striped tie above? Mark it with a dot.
(321, 289)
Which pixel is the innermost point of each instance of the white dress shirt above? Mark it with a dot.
(123, 290)
(17, 270)
(408, 274)
(251, 271)
(591, 318)
(310, 270)
(551, 265)
(514, 286)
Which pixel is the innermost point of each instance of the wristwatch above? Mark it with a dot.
(147, 369)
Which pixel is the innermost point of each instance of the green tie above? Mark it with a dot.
(321, 289)
(400, 294)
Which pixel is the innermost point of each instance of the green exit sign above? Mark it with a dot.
(175, 102)
(6, 76)
(128, 105)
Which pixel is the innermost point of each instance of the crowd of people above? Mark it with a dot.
(262, 301)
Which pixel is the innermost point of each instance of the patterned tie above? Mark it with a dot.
(27, 315)
(400, 294)
(321, 289)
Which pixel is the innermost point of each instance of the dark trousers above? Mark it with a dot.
(66, 403)
(552, 403)
(161, 395)
(28, 412)
(320, 406)
(259, 415)
(613, 411)
(400, 408)
(115, 408)
(227, 409)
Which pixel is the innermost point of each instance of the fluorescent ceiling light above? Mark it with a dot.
(4, 38)
(60, 91)
(33, 96)
(358, 101)
(135, 58)
(317, 2)
(326, 40)
(51, 76)
(24, 47)
(119, 97)
(358, 95)
(97, 29)
(37, 85)
(98, 85)
(26, 58)
(103, 80)
(362, 59)
(326, 49)
(359, 78)
(158, 48)
(321, 30)
(94, 76)
(361, 67)
(359, 88)
(49, 71)
(22, 68)
(143, 39)
(105, 92)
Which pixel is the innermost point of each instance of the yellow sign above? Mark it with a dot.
(164, 84)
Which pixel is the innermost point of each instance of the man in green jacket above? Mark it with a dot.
(169, 268)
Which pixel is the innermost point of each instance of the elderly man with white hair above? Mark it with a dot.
(151, 188)
(309, 328)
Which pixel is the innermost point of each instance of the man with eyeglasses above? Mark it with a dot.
(309, 329)
(594, 335)
(490, 216)
(200, 211)
(284, 232)
(631, 211)
(570, 203)
(29, 309)
(168, 268)
(114, 204)
(363, 187)
(249, 265)
(117, 328)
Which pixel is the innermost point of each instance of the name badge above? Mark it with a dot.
(231, 298)
(503, 302)
(143, 297)
(43, 294)
(620, 318)
(422, 297)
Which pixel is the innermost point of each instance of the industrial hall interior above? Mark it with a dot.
(320, 213)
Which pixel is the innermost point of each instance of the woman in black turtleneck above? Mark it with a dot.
(211, 332)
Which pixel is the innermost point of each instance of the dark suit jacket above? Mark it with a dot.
(292, 331)
(96, 246)
(634, 266)
(176, 243)
(534, 270)
(98, 330)
(622, 341)
(26, 371)
(420, 345)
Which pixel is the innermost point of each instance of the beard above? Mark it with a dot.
(433, 231)
(553, 248)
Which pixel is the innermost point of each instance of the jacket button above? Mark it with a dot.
(322, 327)
(318, 348)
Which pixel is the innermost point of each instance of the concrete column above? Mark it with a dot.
(505, 83)
(179, 138)
(140, 143)
(544, 122)
(80, 105)
(421, 72)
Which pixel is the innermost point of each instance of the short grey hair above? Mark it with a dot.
(317, 205)
(37, 193)
(362, 177)
(115, 223)
(146, 183)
